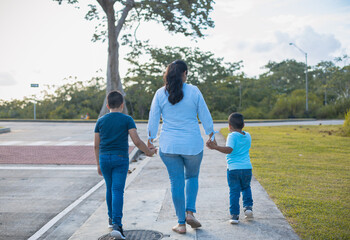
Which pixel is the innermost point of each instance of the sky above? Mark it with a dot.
(43, 42)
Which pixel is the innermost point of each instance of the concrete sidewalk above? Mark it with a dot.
(148, 206)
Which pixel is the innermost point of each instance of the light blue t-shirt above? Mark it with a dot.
(180, 132)
(239, 157)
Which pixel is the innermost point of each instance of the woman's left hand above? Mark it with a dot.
(150, 145)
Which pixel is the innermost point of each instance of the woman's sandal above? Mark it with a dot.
(179, 229)
(192, 221)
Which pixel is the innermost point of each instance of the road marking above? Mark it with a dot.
(38, 143)
(66, 143)
(90, 144)
(47, 168)
(64, 139)
(46, 143)
(10, 143)
(53, 221)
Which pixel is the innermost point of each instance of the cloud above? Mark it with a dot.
(318, 46)
(6, 79)
(263, 47)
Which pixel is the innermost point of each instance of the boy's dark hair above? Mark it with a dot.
(236, 120)
(115, 99)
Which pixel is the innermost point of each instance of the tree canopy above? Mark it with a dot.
(189, 17)
(279, 92)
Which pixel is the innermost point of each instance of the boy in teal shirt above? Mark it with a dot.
(239, 167)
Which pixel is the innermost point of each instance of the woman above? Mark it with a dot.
(180, 143)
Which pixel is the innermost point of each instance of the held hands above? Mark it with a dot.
(211, 144)
(152, 149)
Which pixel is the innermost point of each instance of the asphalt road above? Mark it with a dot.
(33, 194)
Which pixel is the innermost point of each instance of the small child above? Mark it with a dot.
(239, 168)
(112, 156)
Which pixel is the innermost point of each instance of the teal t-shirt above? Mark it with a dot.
(239, 157)
(114, 130)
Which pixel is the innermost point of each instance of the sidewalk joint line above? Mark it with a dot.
(49, 168)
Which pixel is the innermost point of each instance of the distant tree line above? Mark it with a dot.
(277, 93)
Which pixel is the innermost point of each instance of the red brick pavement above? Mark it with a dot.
(80, 155)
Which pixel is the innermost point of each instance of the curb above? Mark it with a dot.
(134, 154)
(276, 120)
(146, 121)
(5, 130)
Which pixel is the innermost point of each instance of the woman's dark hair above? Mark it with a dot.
(173, 80)
(236, 120)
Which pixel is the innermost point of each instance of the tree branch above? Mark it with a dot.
(129, 5)
(103, 5)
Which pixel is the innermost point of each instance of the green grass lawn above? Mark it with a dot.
(306, 171)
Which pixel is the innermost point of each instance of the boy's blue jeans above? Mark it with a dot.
(239, 181)
(114, 169)
(183, 168)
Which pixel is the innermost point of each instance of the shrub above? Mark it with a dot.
(293, 105)
(253, 113)
(335, 109)
(216, 115)
(346, 126)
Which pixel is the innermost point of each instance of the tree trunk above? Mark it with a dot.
(113, 77)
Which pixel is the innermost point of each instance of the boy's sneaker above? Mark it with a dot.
(234, 219)
(117, 232)
(110, 224)
(248, 212)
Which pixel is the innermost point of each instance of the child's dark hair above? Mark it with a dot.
(115, 99)
(236, 120)
(173, 80)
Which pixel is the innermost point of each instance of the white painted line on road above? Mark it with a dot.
(53, 221)
(38, 143)
(90, 144)
(48, 168)
(66, 143)
(64, 139)
(9, 143)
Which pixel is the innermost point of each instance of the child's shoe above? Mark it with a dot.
(117, 232)
(234, 219)
(110, 224)
(248, 212)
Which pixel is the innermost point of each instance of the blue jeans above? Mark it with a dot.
(239, 181)
(114, 169)
(183, 168)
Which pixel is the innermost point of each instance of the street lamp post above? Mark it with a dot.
(306, 83)
(240, 94)
(34, 85)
